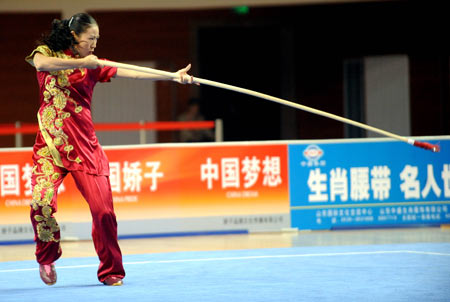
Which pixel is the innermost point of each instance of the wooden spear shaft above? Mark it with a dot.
(172, 75)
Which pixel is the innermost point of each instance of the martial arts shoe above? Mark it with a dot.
(48, 273)
(113, 281)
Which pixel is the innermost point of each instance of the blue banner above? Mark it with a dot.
(368, 182)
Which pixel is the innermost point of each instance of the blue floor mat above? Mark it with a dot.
(406, 272)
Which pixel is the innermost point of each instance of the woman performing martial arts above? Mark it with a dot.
(67, 71)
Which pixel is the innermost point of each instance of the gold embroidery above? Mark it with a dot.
(59, 122)
(57, 97)
(43, 193)
(47, 96)
(58, 141)
(47, 167)
(47, 225)
(60, 100)
(53, 115)
(44, 152)
(48, 115)
(51, 147)
(45, 234)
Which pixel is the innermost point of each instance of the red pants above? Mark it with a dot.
(96, 189)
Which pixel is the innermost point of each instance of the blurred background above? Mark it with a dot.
(385, 63)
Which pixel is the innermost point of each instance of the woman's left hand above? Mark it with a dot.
(182, 77)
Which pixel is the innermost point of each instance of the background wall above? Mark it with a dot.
(125, 100)
(296, 51)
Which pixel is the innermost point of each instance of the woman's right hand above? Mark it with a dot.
(90, 62)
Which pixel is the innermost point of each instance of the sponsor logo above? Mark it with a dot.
(313, 154)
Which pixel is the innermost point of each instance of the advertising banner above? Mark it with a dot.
(161, 189)
(363, 183)
(172, 189)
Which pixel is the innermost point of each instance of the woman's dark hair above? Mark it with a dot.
(61, 38)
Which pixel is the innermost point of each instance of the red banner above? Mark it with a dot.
(171, 181)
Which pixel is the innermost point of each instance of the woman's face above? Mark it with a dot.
(87, 41)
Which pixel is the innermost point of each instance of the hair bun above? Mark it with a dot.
(56, 23)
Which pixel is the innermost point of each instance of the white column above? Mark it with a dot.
(387, 100)
(125, 100)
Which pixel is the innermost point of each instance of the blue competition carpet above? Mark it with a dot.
(407, 272)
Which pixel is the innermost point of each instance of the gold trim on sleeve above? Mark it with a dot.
(43, 49)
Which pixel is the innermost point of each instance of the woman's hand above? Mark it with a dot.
(182, 77)
(91, 62)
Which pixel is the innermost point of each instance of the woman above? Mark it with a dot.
(67, 72)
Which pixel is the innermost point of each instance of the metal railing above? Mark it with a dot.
(18, 129)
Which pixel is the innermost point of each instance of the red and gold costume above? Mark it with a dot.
(66, 143)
